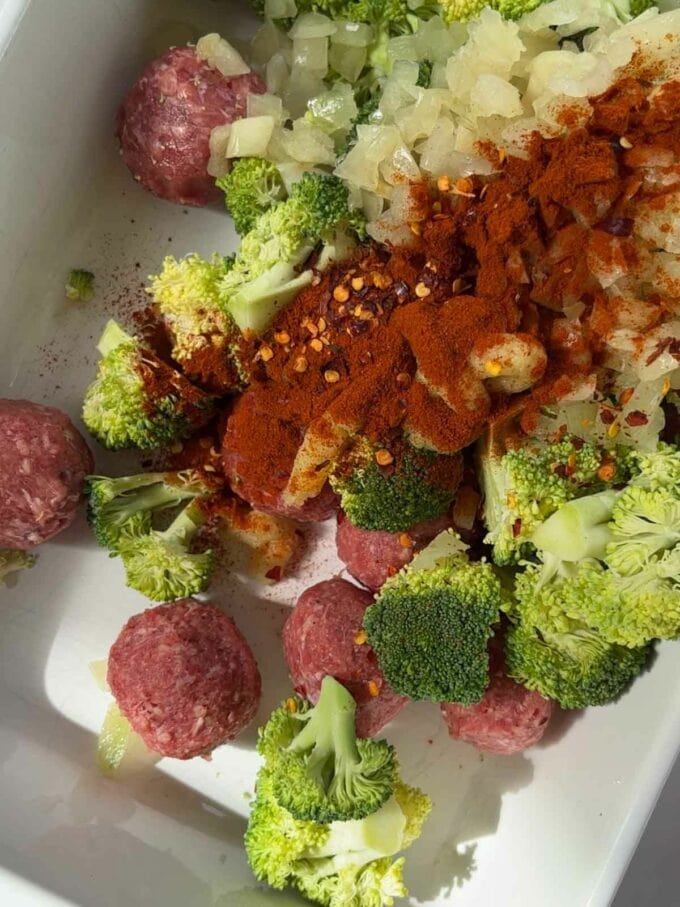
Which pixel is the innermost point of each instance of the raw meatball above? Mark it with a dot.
(509, 718)
(253, 431)
(323, 635)
(372, 557)
(43, 464)
(185, 678)
(164, 124)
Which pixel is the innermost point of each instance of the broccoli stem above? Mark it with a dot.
(185, 526)
(112, 337)
(330, 737)
(579, 529)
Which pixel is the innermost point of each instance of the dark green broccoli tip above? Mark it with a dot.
(161, 565)
(375, 499)
(430, 630)
(80, 286)
(119, 507)
(324, 199)
(137, 400)
(320, 772)
(252, 187)
(577, 669)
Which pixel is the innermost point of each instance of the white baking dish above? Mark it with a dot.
(555, 827)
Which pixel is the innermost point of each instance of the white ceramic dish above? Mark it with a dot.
(555, 827)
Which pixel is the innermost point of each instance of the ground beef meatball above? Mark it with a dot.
(509, 718)
(324, 635)
(43, 464)
(255, 465)
(372, 557)
(185, 678)
(164, 124)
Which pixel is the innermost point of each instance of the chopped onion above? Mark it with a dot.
(348, 62)
(277, 74)
(404, 47)
(250, 137)
(218, 165)
(219, 54)
(312, 25)
(352, 34)
(491, 95)
(660, 226)
(311, 54)
(308, 144)
(260, 105)
(302, 86)
(335, 110)
(269, 41)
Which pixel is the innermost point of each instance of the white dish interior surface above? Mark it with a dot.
(553, 827)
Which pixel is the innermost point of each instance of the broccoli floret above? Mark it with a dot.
(340, 863)
(431, 623)
(462, 10)
(186, 293)
(319, 770)
(608, 566)
(576, 668)
(80, 285)
(265, 275)
(644, 523)
(125, 505)
(137, 400)
(659, 468)
(413, 489)
(161, 565)
(524, 487)
(251, 188)
(12, 560)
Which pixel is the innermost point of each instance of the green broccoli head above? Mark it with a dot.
(523, 487)
(161, 565)
(644, 524)
(626, 610)
(266, 274)
(137, 400)
(576, 668)
(251, 188)
(339, 863)
(319, 770)
(187, 295)
(462, 10)
(430, 626)
(12, 560)
(80, 285)
(417, 486)
(124, 506)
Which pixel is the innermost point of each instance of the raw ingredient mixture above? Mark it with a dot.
(451, 325)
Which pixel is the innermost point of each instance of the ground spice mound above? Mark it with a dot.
(383, 340)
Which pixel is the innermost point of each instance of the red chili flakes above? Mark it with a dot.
(607, 416)
(516, 528)
(636, 418)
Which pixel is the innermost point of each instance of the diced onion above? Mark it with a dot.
(308, 144)
(352, 34)
(311, 54)
(219, 54)
(260, 105)
(267, 42)
(312, 25)
(218, 165)
(277, 74)
(250, 137)
(348, 62)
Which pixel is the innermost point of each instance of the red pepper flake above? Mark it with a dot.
(516, 528)
(607, 416)
(636, 418)
(275, 574)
